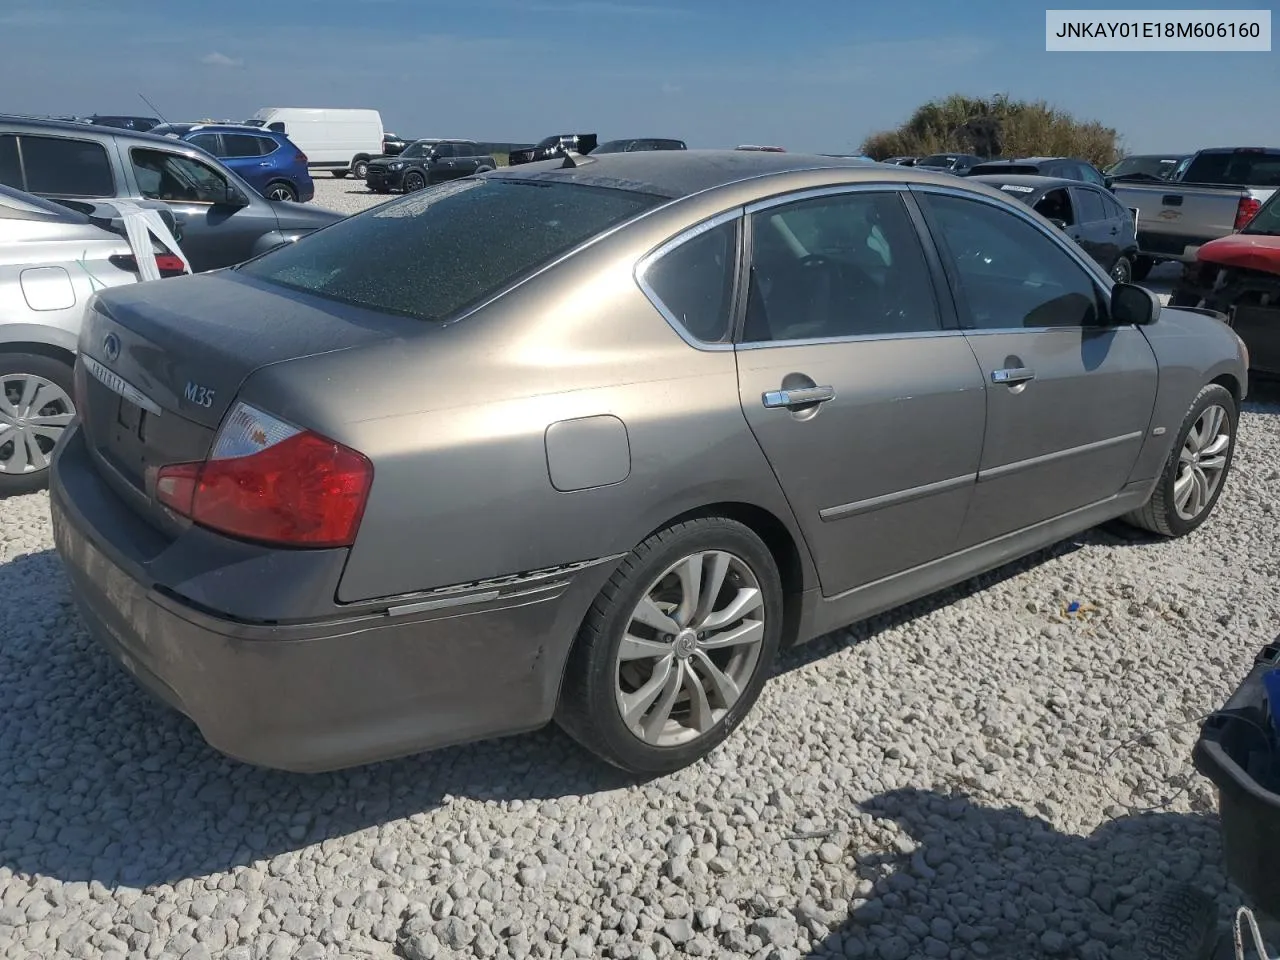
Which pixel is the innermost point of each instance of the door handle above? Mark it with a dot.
(1011, 375)
(797, 398)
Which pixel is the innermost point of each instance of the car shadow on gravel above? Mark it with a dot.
(99, 782)
(968, 880)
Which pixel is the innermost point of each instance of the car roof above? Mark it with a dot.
(676, 173)
(1029, 180)
(81, 130)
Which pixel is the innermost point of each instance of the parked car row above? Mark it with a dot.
(643, 505)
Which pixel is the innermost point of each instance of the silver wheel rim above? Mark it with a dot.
(280, 193)
(1120, 272)
(1202, 461)
(33, 414)
(690, 649)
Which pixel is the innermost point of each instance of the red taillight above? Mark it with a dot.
(1245, 210)
(167, 263)
(269, 481)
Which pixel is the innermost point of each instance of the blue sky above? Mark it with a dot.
(817, 75)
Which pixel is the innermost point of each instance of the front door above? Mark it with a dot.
(213, 233)
(1069, 397)
(867, 404)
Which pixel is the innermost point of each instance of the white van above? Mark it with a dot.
(340, 140)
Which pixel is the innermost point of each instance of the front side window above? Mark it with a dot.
(1090, 175)
(694, 282)
(62, 167)
(10, 168)
(436, 252)
(1009, 273)
(445, 151)
(1056, 205)
(837, 266)
(208, 142)
(175, 178)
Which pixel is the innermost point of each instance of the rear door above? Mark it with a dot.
(243, 153)
(862, 394)
(1069, 397)
(214, 233)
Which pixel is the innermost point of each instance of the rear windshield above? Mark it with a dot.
(441, 250)
(1239, 169)
(1008, 169)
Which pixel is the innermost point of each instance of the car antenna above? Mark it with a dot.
(155, 108)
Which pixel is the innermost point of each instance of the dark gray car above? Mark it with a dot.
(220, 219)
(592, 439)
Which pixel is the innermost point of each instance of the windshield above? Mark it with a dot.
(418, 149)
(436, 252)
(1267, 220)
(937, 160)
(1157, 168)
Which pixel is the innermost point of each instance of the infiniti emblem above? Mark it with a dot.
(111, 344)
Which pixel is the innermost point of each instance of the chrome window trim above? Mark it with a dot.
(854, 338)
(815, 193)
(649, 259)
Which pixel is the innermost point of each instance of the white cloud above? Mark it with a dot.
(216, 59)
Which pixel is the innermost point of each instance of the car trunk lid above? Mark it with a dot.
(161, 364)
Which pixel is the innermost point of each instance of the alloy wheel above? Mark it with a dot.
(691, 647)
(1202, 462)
(279, 192)
(1122, 272)
(33, 414)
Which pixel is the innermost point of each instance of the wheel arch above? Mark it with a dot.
(63, 351)
(784, 545)
(1232, 385)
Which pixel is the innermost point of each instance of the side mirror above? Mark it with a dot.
(1109, 182)
(1131, 303)
(234, 198)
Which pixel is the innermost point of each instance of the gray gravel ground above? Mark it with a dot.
(940, 782)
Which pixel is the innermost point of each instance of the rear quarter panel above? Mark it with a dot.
(1192, 350)
(455, 422)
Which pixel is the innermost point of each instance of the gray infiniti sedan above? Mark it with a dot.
(591, 439)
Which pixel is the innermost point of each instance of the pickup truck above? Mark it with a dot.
(1212, 194)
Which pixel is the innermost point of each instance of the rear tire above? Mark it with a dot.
(1190, 465)
(340, 174)
(279, 190)
(706, 684)
(360, 169)
(37, 388)
(1142, 268)
(483, 169)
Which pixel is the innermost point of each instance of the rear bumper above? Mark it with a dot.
(306, 190)
(324, 694)
(1170, 246)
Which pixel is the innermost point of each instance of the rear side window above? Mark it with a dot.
(694, 281)
(444, 150)
(1238, 169)
(1091, 208)
(10, 168)
(266, 146)
(436, 252)
(67, 168)
(241, 145)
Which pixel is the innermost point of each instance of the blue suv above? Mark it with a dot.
(271, 163)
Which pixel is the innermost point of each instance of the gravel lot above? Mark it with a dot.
(943, 781)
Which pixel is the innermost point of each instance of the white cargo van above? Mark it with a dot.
(339, 140)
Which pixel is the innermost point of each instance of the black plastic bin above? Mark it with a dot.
(1238, 751)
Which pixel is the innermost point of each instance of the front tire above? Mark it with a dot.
(35, 408)
(360, 169)
(1196, 471)
(675, 649)
(414, 181)
(1122, 270)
